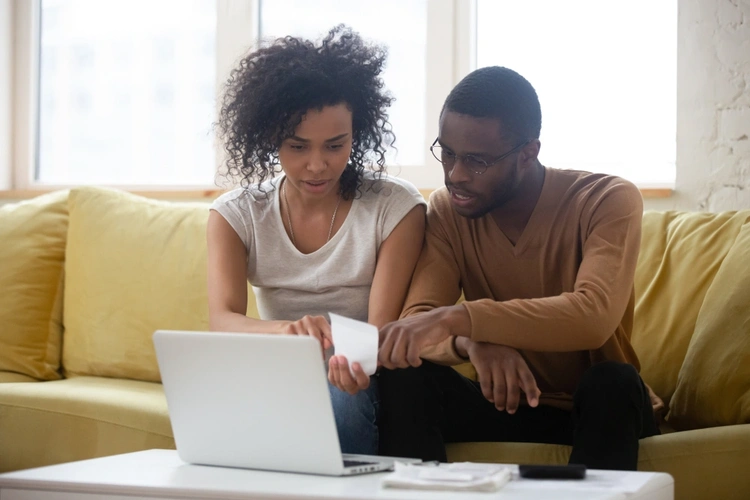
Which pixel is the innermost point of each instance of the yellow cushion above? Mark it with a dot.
(80, 418)
(713, 387)
(6, 377)
(32, 254)
(134, 265)
(681, 253)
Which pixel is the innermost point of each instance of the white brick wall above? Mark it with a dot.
(713, 107)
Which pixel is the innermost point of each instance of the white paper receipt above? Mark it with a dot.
(355, 340)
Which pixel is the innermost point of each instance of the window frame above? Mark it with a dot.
(451, 54)
(24, 92)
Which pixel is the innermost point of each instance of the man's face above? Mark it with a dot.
(474, 195)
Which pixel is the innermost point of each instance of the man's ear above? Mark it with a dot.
(529, 154)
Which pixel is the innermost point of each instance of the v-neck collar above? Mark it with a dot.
(288, 241)
(534, 219)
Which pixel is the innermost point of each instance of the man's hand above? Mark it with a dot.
(314, 326)
(340, 376)
(502, 374)
(657, 404)
(402, 341)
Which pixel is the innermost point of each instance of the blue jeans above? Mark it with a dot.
(357, 418)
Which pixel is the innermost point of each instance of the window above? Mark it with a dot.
(605, 73)
(126, 93)
(400, 25)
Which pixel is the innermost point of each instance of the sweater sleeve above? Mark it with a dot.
(436, 283)
(586, 317)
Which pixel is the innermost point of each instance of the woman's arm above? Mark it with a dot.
(397, 258)
(227, 289)
(227, 282)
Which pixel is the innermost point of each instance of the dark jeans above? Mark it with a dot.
(424, 408)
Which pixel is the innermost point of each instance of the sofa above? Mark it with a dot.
(88, 275)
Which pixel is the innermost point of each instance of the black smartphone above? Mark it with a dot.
(570, 471)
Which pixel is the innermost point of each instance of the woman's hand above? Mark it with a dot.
(340, 376)
(314, 326)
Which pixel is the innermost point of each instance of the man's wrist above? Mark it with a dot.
(456, 319)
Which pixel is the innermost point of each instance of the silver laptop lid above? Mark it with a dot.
(249, 400)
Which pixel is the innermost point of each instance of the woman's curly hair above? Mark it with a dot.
(267, 95)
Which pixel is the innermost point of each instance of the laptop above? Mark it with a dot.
(255, 401)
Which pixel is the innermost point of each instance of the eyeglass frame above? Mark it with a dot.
(475, 158)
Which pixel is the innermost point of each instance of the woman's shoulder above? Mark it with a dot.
(249, 199)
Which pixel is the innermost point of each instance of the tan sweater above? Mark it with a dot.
(563, 290)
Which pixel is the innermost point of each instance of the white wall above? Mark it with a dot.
(713, 107)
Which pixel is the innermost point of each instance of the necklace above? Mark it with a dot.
(289, 216)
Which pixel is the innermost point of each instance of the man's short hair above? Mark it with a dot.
(497, 92)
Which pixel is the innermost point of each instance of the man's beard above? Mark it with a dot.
(501, 195)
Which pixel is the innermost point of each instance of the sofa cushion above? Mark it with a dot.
(134, 265)
(681, 253)
(6, 377)
(83, 417)
(705, 463)
(32, 254)
(713, 387)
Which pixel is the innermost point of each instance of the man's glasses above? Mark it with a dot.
(472, 162)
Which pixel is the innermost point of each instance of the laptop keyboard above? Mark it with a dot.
(355, 463)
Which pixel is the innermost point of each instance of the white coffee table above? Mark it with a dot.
(160, 474)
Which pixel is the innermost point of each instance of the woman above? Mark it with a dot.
(329, 234)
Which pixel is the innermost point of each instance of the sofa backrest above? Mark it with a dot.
(134, 265)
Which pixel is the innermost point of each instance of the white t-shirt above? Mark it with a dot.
(335, 278)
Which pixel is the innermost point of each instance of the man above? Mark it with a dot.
(545, 259)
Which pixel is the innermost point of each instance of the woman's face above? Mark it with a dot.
(314, 158)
